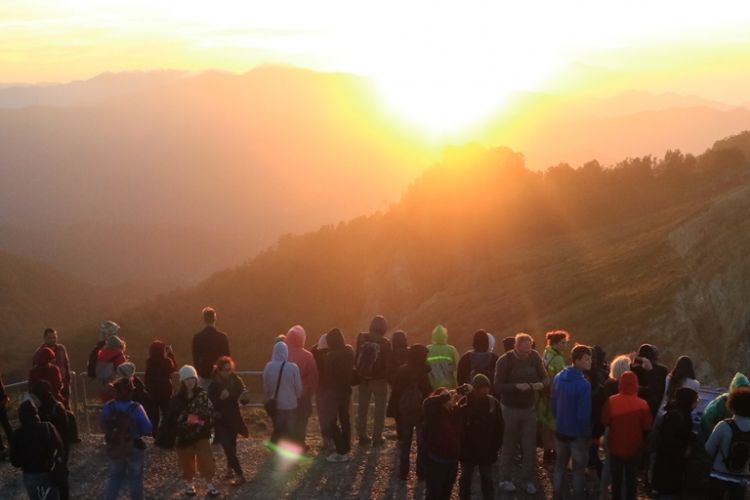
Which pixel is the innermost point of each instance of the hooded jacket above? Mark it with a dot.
(652, 382)
(483, 428)
(159, 370)
(443, 428)
(45, 369)
(227, 411)
(290, 386)
(443, 360)
(376, 334)
(295, 340)
(208, 346)
(338, 366)
(415, 371)
(628, 418)
(717, 410)
(570, 402)
(480, 355)
(400, 348)
(61, 361)
(33, 445)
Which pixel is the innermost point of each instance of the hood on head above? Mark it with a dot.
(440, 335)
(417, 355)
(628, 383)
(481, 342)
(598, 354)
(280, 352)
(649, 351)
(43, 356)
(156, 349)
(115, 342)
(739, 380)
(322, 342)
(378, 326)
(126, 369)
(27, 413)
(398, 340)
(335, 339)
(43, 392)
(296, 337)
(490, 342)
(509, 343)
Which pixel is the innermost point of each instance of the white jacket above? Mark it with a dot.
(290, 387)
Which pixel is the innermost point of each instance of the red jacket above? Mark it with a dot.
(628, 418)
(308, 370)
(44, 369)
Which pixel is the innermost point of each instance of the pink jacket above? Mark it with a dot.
(295, 340)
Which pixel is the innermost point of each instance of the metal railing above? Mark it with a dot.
(73, 399)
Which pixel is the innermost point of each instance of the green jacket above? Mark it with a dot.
(554, 363)
(443, 360)
(717, 410)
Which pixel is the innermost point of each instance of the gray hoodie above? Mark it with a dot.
(290, 387)
(717, 446)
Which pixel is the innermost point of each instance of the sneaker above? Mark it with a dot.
(507, 486)
(190, 490)
(530, 489)
(212, 491)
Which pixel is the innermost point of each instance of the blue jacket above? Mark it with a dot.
(141, 424)
(571, 403)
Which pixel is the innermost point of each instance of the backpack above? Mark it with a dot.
(119, 432)
(739, 449)
(367, 356)
(480, 362)
(410, 405)
(105, 371)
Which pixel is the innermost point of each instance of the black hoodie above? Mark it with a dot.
(35, 444)
(479, 356)
(415, 371)
(652, 383)
(338, 366)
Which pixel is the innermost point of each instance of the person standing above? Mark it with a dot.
(652, 376)
(479, 360)
(160, 366)
(125, 422)
(208, 345)
(4, 422)
(225, 391)
(109, 358)
(106, 330)
(37, 450)
(51, 410)
(372, 365)
(338, 368)
(570, 402)
(674, 437)
(519, 377)
(61, 361)
(295, 340)
(553, 359)
(46, 370)
(282, 383)
(400, 348)
(443, 360)
(411, 386)
(718, 410)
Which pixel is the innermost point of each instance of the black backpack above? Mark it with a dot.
(739, 449)
(119, 432)
(410, 405)
(367, 357)
(480, 362)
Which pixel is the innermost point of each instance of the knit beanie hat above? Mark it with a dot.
(480, 380)
(187, 372)
(108, 328)
(126, 369)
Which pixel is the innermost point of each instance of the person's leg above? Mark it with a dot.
(605, 480)
(304, 410)
(487, 482)
(232, 461)
(135, 474)
(421, 452)
(630, 476)
(186, 459)
(5, 423)
(464, 481)
(39, 487)
(528, 443)
(451, 472)
(380, 391)
(432, 478)
(364, 394)
(404, 448)
(206, 464)
(617, 470)
(346, 426)
(511, 438)
(579, 454)
(563, 452)
(117, 473)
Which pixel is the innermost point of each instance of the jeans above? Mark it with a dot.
(440, 479)
(520, 429)
(337, 425)
(404, 444)
(131, 469)
(377, 389)
(624, 469)
(228, 440)
(283, 425)
(39, 487)
(485, 477)
(577, 451)
(304, 411)
(721, 490)
(156, 410)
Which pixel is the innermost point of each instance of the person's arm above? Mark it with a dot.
(463, 371)
(142, 422)
(542, 375)
(502, 385)
(313, 378)
(66, 365)
(714, 442)
(214, 391)
(583, 408)
(15, 451)
(104, 416)
(297, 381)
(607, 415)
(553, 397)
(268, 389)
(225, 345)
(197, 349)
(57, 383)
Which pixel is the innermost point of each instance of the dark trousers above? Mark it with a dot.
(338, 426)
(407, 432)
(485, 478)
(5, 424)
(440, 479)
(228, 440)
(624, 473)
(722, 490)
(304, 410)
(283, 425)
(156, 410)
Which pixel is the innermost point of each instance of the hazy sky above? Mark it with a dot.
(465, 55)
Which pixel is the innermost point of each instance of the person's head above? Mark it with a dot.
(50, 336)
(296, 337)
(417, 356)
(523, 344)
(490, 342)
(480, 343)
(224, 366)
(335, 339)
(42, 390)
(481, 385)
(107, 329)
(115, 342)
(399, 340)
(126, 370)
(557, 339)
(739, 401)
(378, 326)
(581, 357)
(620, 365)
(189, 377)
(649, 351)
(683, 368)
(209, 316)
(280, 352)
(28, 413)
(440, 335)
(628, 383)
(322, 343)
(157, 349)
(509, 343)
(124, 389)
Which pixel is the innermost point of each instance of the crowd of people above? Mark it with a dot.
(621, 422)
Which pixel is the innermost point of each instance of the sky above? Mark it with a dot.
(443, 63)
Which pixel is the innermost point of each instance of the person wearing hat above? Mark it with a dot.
(45, 369)
(106, 330)
(61, 361)
(109, 359)
(191, 413)
(127, 370)
(482, 437)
